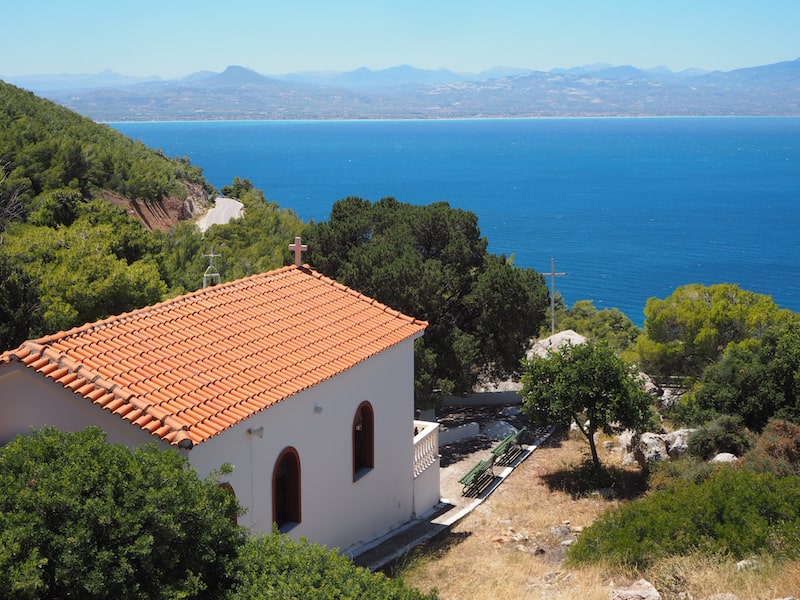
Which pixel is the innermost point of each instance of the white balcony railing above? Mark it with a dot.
(426, 446)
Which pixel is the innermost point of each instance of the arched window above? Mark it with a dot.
(363, 440)
(286, 489)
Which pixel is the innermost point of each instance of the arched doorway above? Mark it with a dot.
(286, 489)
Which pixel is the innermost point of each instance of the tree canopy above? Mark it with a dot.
(756, 380)
(609, 325)
(587, 384)
(82, 518)
(690, 329)
(46, 147)
(431, 262)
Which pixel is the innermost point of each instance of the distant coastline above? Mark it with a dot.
(241, 94)
(454, 119)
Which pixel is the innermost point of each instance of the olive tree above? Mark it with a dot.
(587, 384)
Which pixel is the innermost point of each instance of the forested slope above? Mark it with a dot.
(51, 156)
(74, 198)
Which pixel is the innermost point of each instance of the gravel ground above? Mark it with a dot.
(459, 457)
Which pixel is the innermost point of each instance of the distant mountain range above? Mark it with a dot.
(406, 92)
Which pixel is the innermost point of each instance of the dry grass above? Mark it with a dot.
(705, 576)
(510, 546)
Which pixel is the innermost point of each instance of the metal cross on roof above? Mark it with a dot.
(553, 276)
(211, 276)
(298, 247)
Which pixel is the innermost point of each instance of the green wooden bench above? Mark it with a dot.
(476, 474)
(503, 450)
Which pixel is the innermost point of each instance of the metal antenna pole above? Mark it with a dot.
(553, 276)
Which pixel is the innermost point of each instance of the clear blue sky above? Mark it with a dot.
(173, 38)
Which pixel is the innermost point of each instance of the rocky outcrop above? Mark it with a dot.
(167, 212)
(678, 442)
(646, 449)
(554, 343)
(650, 448)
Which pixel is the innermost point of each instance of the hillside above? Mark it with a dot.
(91, 222)
(406, 92)
(49, 150)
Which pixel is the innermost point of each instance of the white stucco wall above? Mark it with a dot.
(30, 401)
(336, 511)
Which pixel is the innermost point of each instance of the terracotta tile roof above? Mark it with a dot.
(193, 366)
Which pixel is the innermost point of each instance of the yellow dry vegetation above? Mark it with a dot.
(510, 546)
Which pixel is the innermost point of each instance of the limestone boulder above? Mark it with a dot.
(669, 398)
(649, 384)
(639, 590)
(725, 457)
(627, 440)
(554, 343)
(678, 442)
(649, 449)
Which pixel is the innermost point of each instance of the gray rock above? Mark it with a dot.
(649, 384)
(669, 398)
(560, 531)
(650, 449)
(554, 343)
(678, 442)
(568, 542)
(746, 565)
(639, 590)
(724, 457)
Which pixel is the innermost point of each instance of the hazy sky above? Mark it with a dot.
(173, 38)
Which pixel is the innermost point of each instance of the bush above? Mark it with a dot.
(723, 434)
(275, 566)
(776, 450)
(689, 469)
(82, 518)
(736, 511)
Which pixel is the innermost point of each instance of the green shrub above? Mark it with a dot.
(776, 450)
(669, 472)
(83, 518)
(724, 434)
(735, 511)
(276, 567)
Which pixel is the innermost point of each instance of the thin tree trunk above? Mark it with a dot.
(593, 446)
(589, 435)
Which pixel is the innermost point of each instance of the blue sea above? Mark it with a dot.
(628, 208)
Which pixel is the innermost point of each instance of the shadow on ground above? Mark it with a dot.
(431, 549)
(458, 451)
(581, 480)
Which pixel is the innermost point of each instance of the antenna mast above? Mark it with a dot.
(553, 276)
